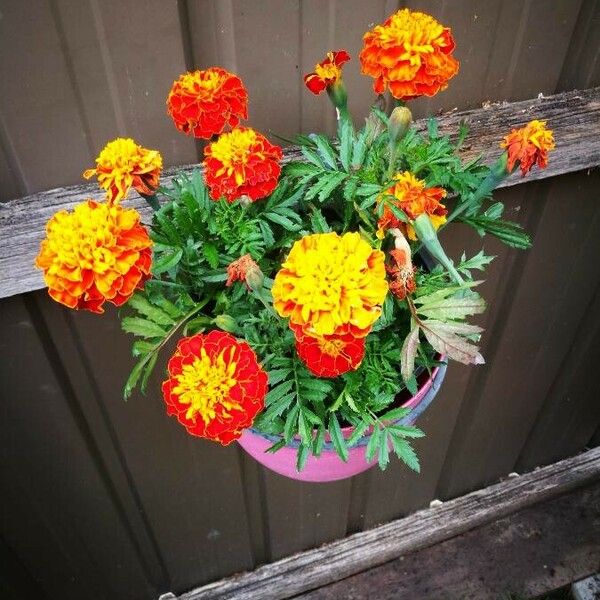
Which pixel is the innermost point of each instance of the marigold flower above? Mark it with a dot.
(241, 163)
(414, 199)
(529, 145)
(244, 269)
(123, 164)
(97, 253)
(216, 386)
(202, 103)
(331, 285)
(411, 54)
(329, 355)
(327, 72)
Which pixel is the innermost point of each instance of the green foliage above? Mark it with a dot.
(334, 186)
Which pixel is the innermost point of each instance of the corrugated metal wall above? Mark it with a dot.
(106, 499)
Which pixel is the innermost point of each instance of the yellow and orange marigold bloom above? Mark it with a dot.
(331, 285)
(414, 199)
(329, 355)
(123, 164)
(203, 103)
(216, 386)
(97, 253)
(241, 163)
(244, 269)
(410, 54)
(529, 145)
(327, 72)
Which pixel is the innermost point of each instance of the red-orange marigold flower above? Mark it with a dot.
(97, 253)
(411, 54)
(241, 163)
(216, 386)
(414, 199)
(529, 145)
(329, 355)
(244, 269)
(123, 164)
(202, 103)
(402, 274)
(327, 72)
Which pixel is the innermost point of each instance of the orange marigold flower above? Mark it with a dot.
(411, 54)
(329, 355)
(241, 163)
(327, 72)
(202, 103)
(244, 269)
(97, 253)
(331, 285)
(123, 164)
(402, 273)
(529, 145)
(414, 199)
(216, 386)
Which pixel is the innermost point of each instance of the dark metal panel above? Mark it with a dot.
(190, 489)
(59, 513)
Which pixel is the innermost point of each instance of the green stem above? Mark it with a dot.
(152, 201)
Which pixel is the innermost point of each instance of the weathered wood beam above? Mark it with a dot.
(365, 550)
(574, 116)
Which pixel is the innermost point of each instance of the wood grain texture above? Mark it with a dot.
(531, 552)
(574, 116)
(359, 552)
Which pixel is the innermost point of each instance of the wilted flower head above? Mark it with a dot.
(529, 145)
(123, 164)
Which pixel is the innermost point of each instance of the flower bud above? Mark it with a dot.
(400, 121)
(338, 94)
(226, 323)
(255, 278)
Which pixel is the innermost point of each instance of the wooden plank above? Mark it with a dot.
(575, 117)
(532, 552)
(362, 551)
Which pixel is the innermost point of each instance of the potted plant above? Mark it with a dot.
(314, 306)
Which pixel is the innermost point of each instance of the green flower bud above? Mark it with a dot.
(226, 323)
(400, 121)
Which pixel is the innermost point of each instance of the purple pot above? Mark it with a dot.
(329, 466)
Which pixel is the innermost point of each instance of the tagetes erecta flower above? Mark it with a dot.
(243, 269)
(123, 165)
(411, 195)
(331, 285)
(216, 386)
(327, 72)
(241, 163)
(203, 103)
(529, 146)
(329, 355)
(97, 253)
(410, 54)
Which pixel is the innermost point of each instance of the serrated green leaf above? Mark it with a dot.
(373, 444)
(405, 452)
(142, 327)
(384, 452)
(291, 423)
(332, 182)
(143, 306)
(285, 222)
(147, 371)
(276, 446)
(456, 347)
(325, 150)
(211, 254)
(409, 353)
(408, 431)
(337, 437)
(277, 375)
(133, 378)
(267, 233)
(166, 261)
(141, 347)
(302, 456)
(395, 413)
(277, 392)
(313, 157)
(358, 433)
(319, 440)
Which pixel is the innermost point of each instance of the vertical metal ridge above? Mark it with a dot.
(64, 381)
(517, 48)
(13, 161)
(107, 63)
(478, 378)
(69, 67)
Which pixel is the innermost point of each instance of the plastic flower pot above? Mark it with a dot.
(329, 466)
